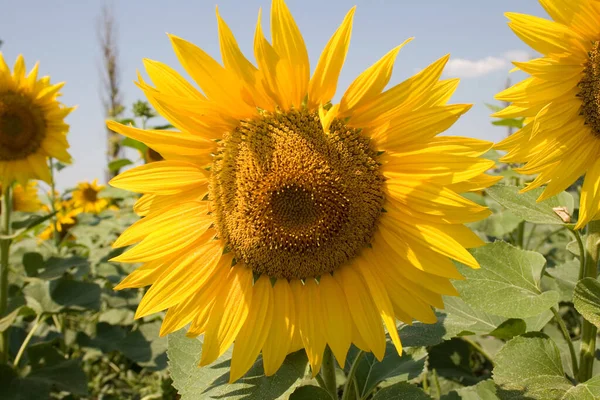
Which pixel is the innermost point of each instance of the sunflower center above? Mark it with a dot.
(291, 201)
(90, 195)
(590, 90)
(22, 126)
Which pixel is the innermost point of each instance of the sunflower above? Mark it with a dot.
(560, 100)
(65, 219)
(281, 221)
(25, 198)
(85, 197)
(32, 126)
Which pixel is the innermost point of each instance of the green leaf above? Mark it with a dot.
(67, 375)
(563, 279)
(452, 359)
(524, 205)
(310, 392)
(370, 372)
(498, 225)
(485, 390)
(118, 164)
(54, 296)
(586, 298)
(511, 122)
(33, 262)
(589, 390)
(55, 267)
(573, 247)
(530, 366)
(508, 283)
(401, 390)
(134, 144)
(509, 329)
(30, 222)
(211, 382)
(145, 346)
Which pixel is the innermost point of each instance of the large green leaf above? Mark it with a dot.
(55, 267)
(401, 390)
(485, 390)
(310, 392)
(563, 279)
(525, 205)
(54, 296)
(586, 298)
(529, 366)
(371, 372)
(145, 346)
(211, 382)
(508, 283)
(588, 390)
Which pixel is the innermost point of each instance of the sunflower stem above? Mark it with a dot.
(328, 373)
(581, 251)
(521, 235)
(588, 335)
(55, 234)
(351, 374)
(565, 333)
(36, 324)
(4, 253)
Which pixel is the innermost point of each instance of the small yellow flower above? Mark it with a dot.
(32, 126)
(280, 221)
(85, 197)
(560, 101)
(25, 198)
(65, 219)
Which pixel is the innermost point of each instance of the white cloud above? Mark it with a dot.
(463, 68)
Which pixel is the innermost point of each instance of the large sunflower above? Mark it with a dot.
(280, 221)
(561, 101)
(85, 197)
(32, 126)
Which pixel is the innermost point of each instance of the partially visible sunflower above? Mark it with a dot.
(32, 126)
(25, 198)
(85, 197)
(561, 101)
(65, 219)
(315, 221)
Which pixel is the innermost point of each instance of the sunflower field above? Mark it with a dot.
(268, 239)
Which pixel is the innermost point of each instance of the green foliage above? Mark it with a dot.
(587, 299)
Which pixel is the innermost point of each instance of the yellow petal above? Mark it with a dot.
(370, 83)
(338, 322)
(294, 68)
(283, 327)
(323, 83)
(254, 332)
(228, 314)
(162, 177)
(306, 299)
(363, 310)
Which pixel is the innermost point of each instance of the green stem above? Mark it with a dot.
(581, 251)
(436, 381)
(565, 333)
(36, 324)
(55, 233)
(4, 253)
(351, 374)
(588, 335)
(328, 373)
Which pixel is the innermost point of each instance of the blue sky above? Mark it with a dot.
(62, 36)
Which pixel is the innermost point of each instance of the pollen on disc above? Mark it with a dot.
(291, 201)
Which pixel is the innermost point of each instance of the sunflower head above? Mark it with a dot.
(32, 126)
(25, 198)
(560, 101)
(66, 218)
(86, 199)
(281, 221)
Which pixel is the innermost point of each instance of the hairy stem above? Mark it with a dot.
(565, 333)
(4, 253)
(588, 335)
